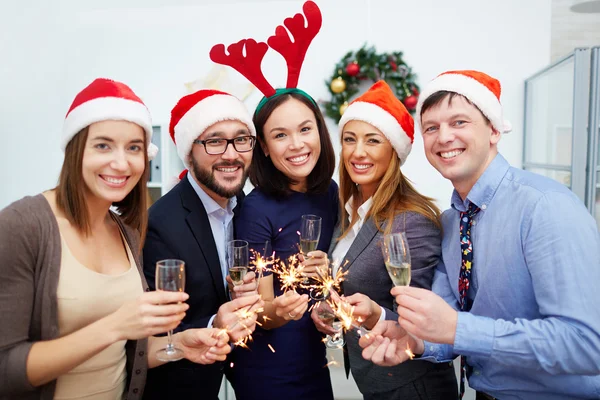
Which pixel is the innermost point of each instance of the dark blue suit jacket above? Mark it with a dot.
(178, 227)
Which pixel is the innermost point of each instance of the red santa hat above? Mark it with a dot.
(198, 111)
(480, 89)
(102, 100)
(379, 107)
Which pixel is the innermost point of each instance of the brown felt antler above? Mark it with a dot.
(294, 52)
(249, 66)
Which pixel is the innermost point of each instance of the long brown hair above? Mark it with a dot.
(70, 191)
(394, 195)
(269, 179)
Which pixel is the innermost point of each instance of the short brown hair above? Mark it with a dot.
(269, 179)
(70, 191)
(436, 99)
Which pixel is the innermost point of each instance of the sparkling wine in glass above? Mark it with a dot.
(310, 232)
(396, 256)
(237, 260)
(170, 276)
(326, 314)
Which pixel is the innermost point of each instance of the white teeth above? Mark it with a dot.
(114, 180)
(299, 159)
(450, 154)
(362, 166)
(233, 169)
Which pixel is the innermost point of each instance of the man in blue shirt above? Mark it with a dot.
(528, 265)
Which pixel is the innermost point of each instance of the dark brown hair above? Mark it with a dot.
(70, 191)
(269, 179)
(394, 195)
(436, 99)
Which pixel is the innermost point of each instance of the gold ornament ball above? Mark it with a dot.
(338, 85)
(343, 108)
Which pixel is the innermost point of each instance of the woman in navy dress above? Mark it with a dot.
(291, 171)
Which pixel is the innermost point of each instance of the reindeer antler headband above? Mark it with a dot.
(293, 52)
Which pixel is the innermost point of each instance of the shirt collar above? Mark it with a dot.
(483, 191)
(362, 210)
(210, 205)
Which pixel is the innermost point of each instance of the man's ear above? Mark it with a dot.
(495, 136)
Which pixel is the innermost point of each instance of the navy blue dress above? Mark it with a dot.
(297, 369)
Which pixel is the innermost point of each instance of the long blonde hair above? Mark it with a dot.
(394, 195)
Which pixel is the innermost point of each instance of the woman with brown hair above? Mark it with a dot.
(76, 317)
(377, 133)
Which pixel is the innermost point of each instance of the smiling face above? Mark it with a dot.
(459, 141)
(291, 140)
(221, 175)
(366, 155)
(113, 160)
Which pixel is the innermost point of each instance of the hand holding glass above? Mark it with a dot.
(396, 256)
(170, 276)
(327, 315)
(237, 260)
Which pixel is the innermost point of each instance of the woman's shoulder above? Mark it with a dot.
(27, 210)
(412, 220)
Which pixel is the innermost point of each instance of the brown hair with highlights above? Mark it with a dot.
(71, 188)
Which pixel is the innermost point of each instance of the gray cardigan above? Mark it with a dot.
(367, 275)
(30, 256)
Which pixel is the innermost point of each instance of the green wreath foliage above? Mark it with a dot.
(374, 66)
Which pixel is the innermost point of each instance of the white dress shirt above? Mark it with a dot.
(342, 247)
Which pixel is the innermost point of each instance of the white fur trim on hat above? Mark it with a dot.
(476, 92)
(103, 109)
(382, 120)
(207, 112)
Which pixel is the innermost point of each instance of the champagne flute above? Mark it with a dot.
(327, 315)
(237, 260)
(170, 276)
(310, 232)
(396, 256)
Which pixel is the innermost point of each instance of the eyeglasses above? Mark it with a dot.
(241, 144)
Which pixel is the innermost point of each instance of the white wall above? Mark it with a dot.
(48, 53)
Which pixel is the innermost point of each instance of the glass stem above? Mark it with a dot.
(170, 341)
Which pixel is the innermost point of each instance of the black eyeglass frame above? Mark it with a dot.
(229, 142)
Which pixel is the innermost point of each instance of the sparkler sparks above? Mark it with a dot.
(409, 352)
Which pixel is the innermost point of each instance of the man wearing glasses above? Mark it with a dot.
(214, 136)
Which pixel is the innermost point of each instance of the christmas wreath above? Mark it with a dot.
(367, 64)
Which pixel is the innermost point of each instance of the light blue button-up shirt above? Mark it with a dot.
(220, 222)
(533, 331)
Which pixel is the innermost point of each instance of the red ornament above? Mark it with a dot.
(394, 65)
(415, 91)
(353, 68)
(410, 102)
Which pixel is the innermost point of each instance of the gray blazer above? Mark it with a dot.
(367, 275)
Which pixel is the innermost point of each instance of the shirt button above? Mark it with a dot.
(141, 353)
(483, 206)
(138, 371)
(135, 390)
(477, 372)
(430, 348)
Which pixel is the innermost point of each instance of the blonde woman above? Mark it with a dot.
(377, 133)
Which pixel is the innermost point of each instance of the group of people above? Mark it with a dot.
(504, 278)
